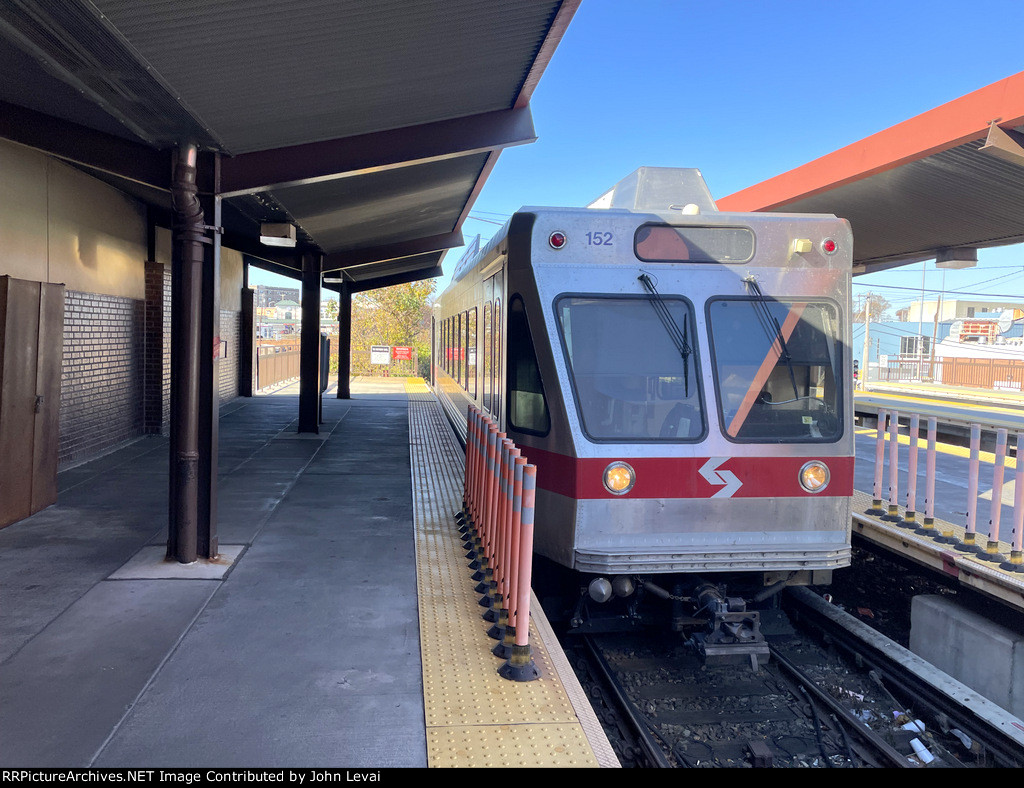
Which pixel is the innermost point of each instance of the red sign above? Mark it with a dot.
(401, 353)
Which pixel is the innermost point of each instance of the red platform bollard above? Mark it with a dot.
(520, 665)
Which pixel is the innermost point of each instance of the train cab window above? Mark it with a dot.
(470, 382)
(527, 405)
(777, 369)
(634, 372)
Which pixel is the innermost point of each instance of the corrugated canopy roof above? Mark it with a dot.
(369, 124)
(948, 181)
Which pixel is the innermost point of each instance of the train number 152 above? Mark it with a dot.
(599, 239)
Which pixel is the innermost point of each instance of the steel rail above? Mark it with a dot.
(1001, 733)
(653, 751)
(854, 725)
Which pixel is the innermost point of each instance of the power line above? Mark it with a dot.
(948, 292)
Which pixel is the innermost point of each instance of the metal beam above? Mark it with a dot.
(1005, 144)
(396, 279)
(378, 254)
(86, 147)
(298, 165)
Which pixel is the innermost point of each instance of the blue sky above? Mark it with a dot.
(745, 90)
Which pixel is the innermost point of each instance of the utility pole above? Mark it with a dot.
(862, 382)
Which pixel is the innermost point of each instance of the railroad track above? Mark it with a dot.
(814, 705)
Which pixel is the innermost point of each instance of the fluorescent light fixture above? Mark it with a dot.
(333, 280)
(956, 258)
(277, 234)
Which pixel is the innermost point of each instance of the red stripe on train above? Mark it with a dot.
(688, 477)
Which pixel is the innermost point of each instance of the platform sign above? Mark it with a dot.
(401, 353)
(380, 354)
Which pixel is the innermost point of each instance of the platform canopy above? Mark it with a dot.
(369, 125)
(940, 185)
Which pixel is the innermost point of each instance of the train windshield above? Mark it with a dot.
(633, 380)
(777, 369)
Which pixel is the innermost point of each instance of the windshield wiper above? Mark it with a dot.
(677, 335)
(771, 328)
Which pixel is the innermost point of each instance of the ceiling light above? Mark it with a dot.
(956, 258)
(277, 234)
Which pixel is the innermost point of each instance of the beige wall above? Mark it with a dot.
(230, 280)
(58, 224)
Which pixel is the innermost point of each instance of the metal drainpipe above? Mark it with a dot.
(190, 234)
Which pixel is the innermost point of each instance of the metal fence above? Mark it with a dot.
(887, 442)
(276, 362)
(982, 373)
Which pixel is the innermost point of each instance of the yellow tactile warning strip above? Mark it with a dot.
(474, 717)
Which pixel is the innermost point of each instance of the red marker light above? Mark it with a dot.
(828, 246)
(556, 240)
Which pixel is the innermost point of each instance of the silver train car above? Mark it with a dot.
(680, 377)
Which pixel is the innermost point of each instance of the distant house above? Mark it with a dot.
(288, 310)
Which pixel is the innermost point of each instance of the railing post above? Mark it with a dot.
(1016, 562)
(968, 545)
(893, 515)
(991, 552)
(928, 526)
(876, 502)
(910, 518)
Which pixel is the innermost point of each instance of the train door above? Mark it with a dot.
(494, 292)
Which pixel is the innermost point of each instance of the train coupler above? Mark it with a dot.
(733, 633)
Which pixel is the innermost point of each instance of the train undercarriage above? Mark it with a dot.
(719, 619)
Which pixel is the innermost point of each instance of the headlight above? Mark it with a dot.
(814, 476)
(619, 478)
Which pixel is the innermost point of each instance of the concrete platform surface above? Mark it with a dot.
(301, 650)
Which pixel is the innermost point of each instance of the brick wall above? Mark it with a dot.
(102, 374)
(158, 348)
(230, 324)
(116, 372)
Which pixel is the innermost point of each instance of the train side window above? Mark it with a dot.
(488, 356)
(459, 355)
(496, 354)
(446, 348)
(527, 405)
(450, 352)
(471, 353)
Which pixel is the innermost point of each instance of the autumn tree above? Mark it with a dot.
(397, 315)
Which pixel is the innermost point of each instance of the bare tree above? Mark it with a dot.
(876, 307)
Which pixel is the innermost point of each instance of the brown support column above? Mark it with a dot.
(209, 357)
(247, 343)
(309, 356)
(344, 341)
(195, 307)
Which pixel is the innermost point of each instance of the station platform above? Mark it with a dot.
(1005, 397)
(339, 627)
